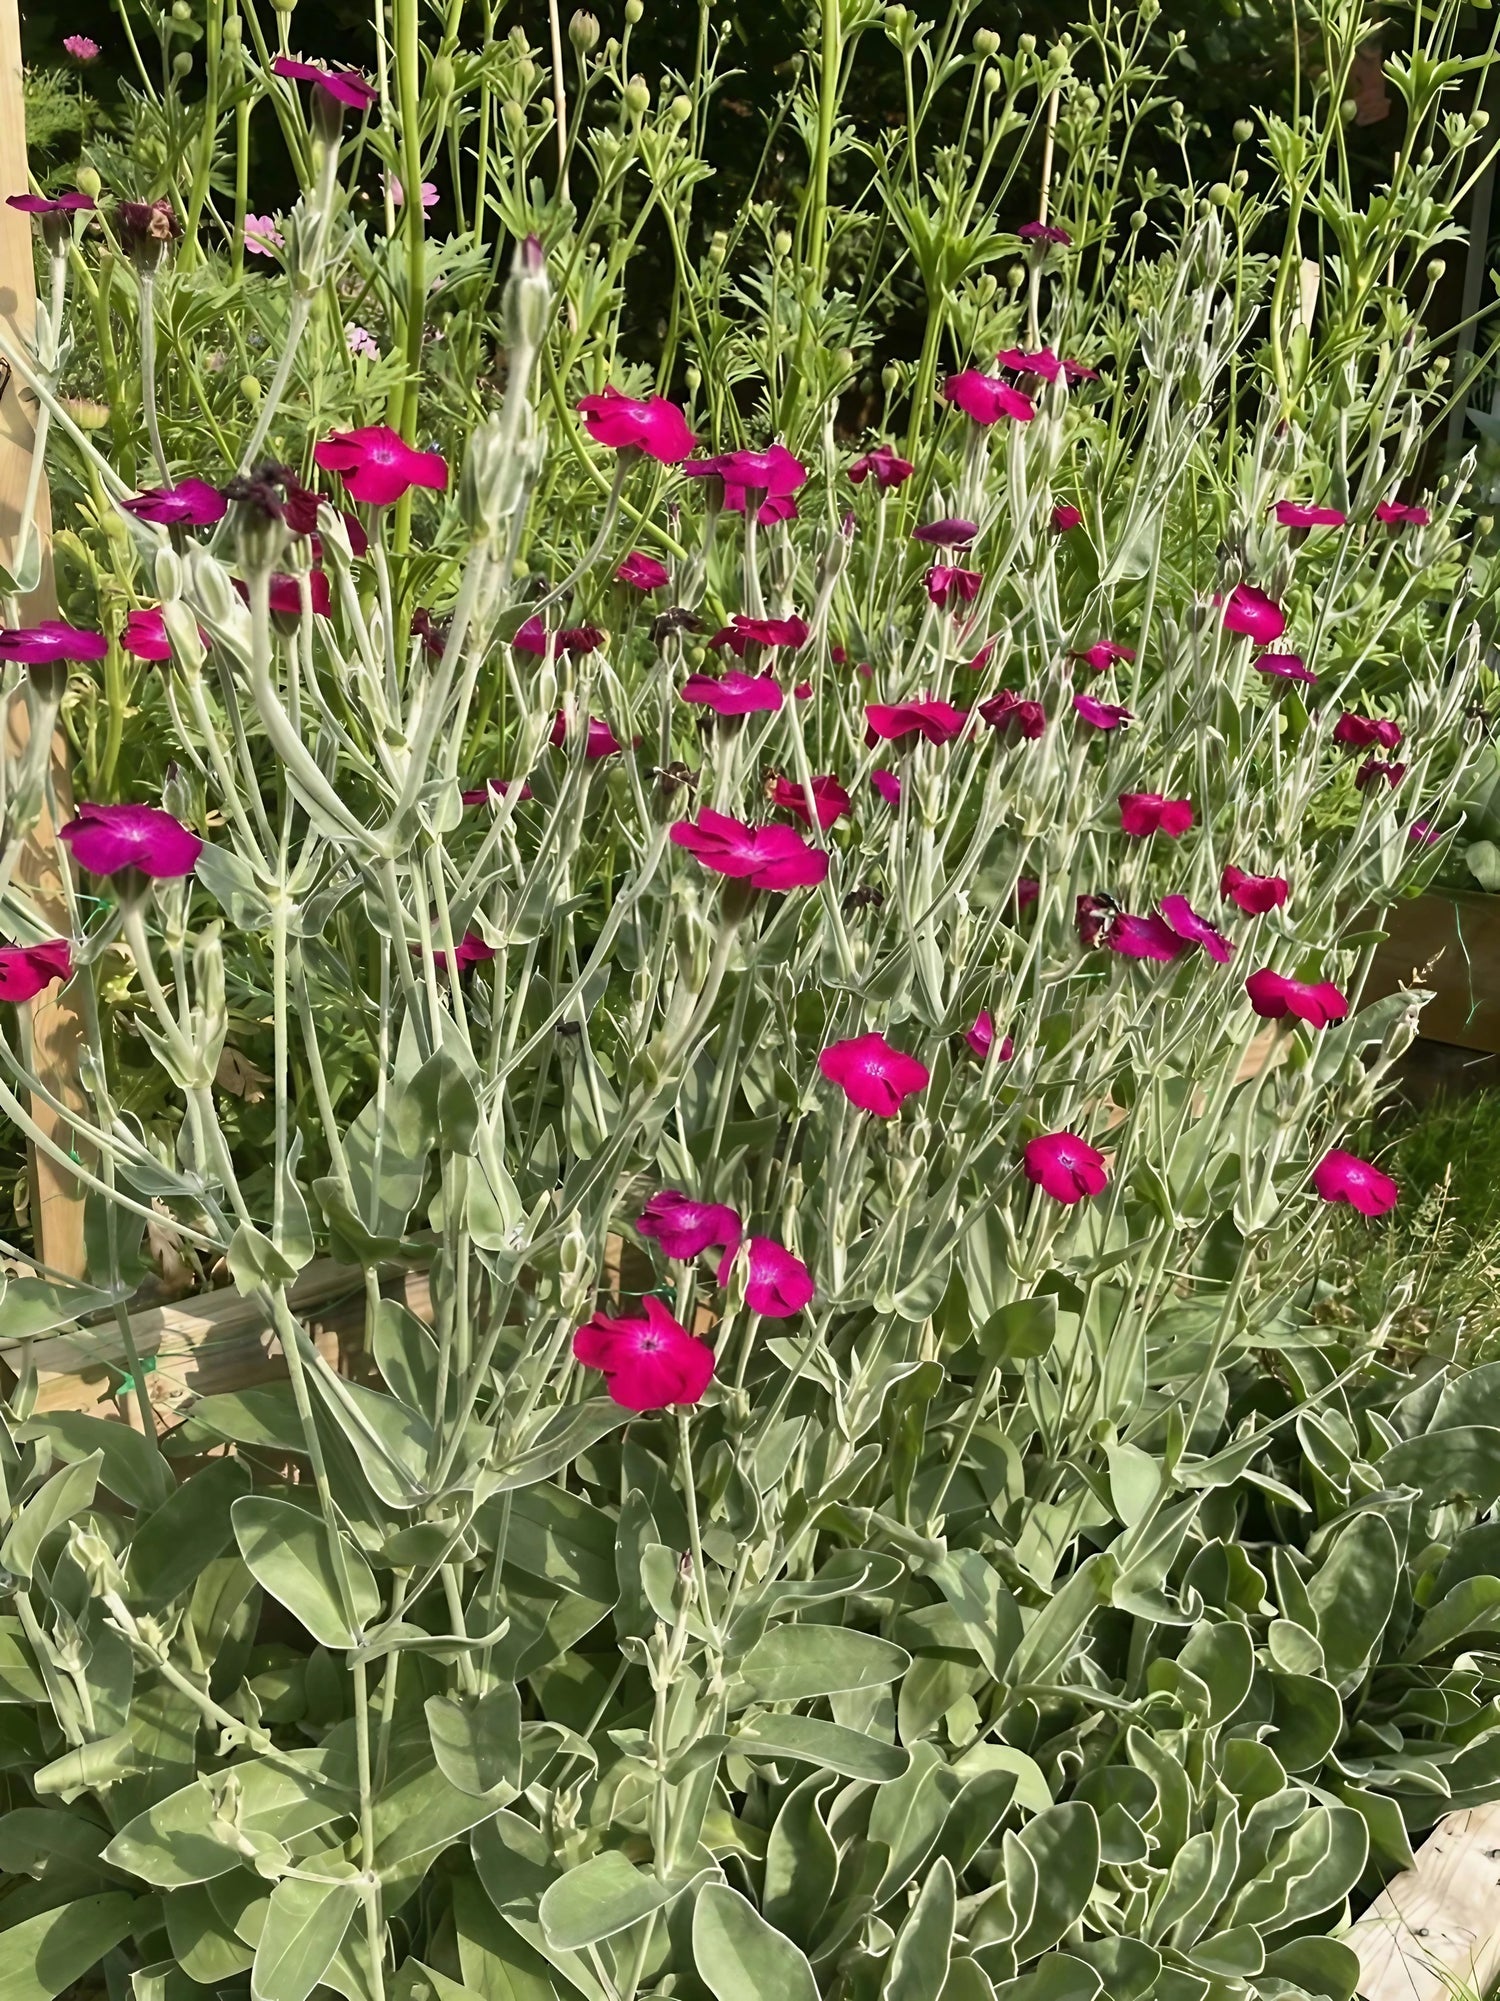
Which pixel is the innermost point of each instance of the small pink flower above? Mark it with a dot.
(733, 693)
(886, 465)
(773, 476)
(1092, 914)
(572, 640)
(53, 639)
(777, 1285)
(648, 1364)
(829, 797)
(1299, 514)
(1186, 922)
(1422, 833)
(286, 594)
(888, 785)
(492, 791)
(742, 632)
(803, 691)
(1284, 667)
(1044, 363)
(601, 741)
(82, 48)
(1254, 894)
(643, 572)
(938, 722)
(773, 857)
(684, 1227)
(945, 583)
(25, 970)
(984, 656)
(1065, 1167)
(1273, 995)
(1103, 654)
(1145, 813)
(398, 193)
(873, 1075)
(1014, 716)
(145, 635)
(262, 237)
(986, 399)
(1251, 611)
(1344, 1177)
(1027, 892)
(1395, 515)
(1042, 232)
(654, 426)
(1143, 938)
(191, 503)
(344, 86)
(470, 950)
(952, 532)
(1372, 771)
(1356, 732)
(981, 1038)
(1065, 516)
(105, 839)
(378, 466)
(1103, 715)
(362, 343)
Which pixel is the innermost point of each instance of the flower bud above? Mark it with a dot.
(1015, 277)
(250, 389)
(181, 11)
(526, 303)
(86, 413)
(637, 97)
(182, 64)
(991, 82)
(1219, 194)
(890, 377)
(986, 42)
(1244, 131)
(634, 9)
(1435, 269)
(680, 109)
(88, 182)
(1478, 120)
(1348, 111)
(693, 378)
(1137, 220)
(441, 77)
(513, 114)
(583, 31)
(232, 33)
(781, 243)
(1027, 45)
(96, 1560)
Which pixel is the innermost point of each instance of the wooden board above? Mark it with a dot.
(1433, 1934)
(1452, 944)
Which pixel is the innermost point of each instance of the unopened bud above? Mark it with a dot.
(513, 113)
(86, 413)
(693, 379)
(1015, 277)
(634, 9)
(1244, 131)
(781, 243)
(681, 109)
(232, 33)
(1027, 45)
(583, 31)
(1348, 111)
(442, 77)
(991, 82)
(986, 42)
(250, 389)
(1137, 220)
(637, 95)
(1219, 194)
(1435, 269)
(181, 11)
(526, 304)
(1479, 120)
(89, 182)
(182, 64)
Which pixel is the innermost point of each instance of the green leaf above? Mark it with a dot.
(1472, 1606)
(42, 1955)
(1463, 1460)
(132, 1467)
(1053, 1634)
(204, 1946)
(907, 1818)
(254, 1262)
(1019, 1332)
(266, 1416)
(810, 1740)
(304, 1928)
(794, 1663)
(291, 1554)
(173, 1546)
(1064, 1844)
(740, 1957)
(919, 1964)
(567, 1433)
(600, 1897)
(178, 1840)
(990, 1615)
(1352, 1594)
(1059, 1977)
(66, 1494)
(802, 1863)
(477, 1741)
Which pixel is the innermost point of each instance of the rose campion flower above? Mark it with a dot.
(648, 1363)
(742, 632)
(642, 572)
(774, 857)
(1103, 715)
(1373, 770)
(981, 1038)
(684, 1227)
(398, 193)
(262, 237)
(1422, 833)
(952, 532)
(1250, 611)
(1196, 930)
(286, 594)
(493, 790)
(1103, 654)
(52, 639)
(26, 970)
(1042, 232)
(938, 722)
(1065, 1167)
(1146, 813)
(1044, 363)
(803, 691)
(82, 48)
(654, 426)
(1344, 1177)
(1014, 716)
(105, 839)
(773, 475)
(1027, 892)
(345, 87)
(733, 693)
(777, 1284)
(470, 950)
(378, 466)
(1273, 996)
(145, 635)
(1300, 514)
(1143, 938)
(984, 656)
(946, 582)
(1356, 732)
(191, 503)
(1395, 515)
(872, 1075)
(362, 343)
(1091, 914)
(1254, 894)
(829, 797)
(888, 785)
(1284, 667)
(986, 399)
(1065, 517)
(71, 203)
(601, 740)
(533, 637)
(885, 464)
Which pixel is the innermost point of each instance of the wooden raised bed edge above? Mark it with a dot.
(1448, 941)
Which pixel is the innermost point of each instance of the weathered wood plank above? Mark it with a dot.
(1451, 944)
(1433, 1934)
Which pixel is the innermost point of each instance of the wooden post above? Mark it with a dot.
(57, 1207)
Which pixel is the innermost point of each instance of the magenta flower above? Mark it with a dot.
(1298, 514)
(734, 693)
(286, 594)
(1344, 1177)
(1066, 516)
(1250, 611)
(873, 1075)
(262, 237)
(938, 722)
(1273, 995)
(803, 691)
(1014, 716)
(1143, 938)
(82, 48)
(885, 463)
(378, 466)
(1196, 930)
(1284, 667)
(1422, 833)
(656, 427)
(1395, 515)
(952, 532)
(1103, 715)
(1372, 771)
(65, 204)
(344, 86)
(829, 797)
(469, 951)
(601, 740)
(1356, 732)
(1254, 894)
(983, 657)
(773, 857)
(1045, 364)
(945, 582)
(647, 1364)
(533, 637)
(26, 969)
(888, 785)
(773, 476)
(986, 399)
(1104, 653)
(1065, 1167)
(1145, 813)
(642, 572)
(1091, 914)
(1042, 232)
(192, 503)
(742, 632)
(492, 790)
(105, 839)
(777, 1285)
(145, 635)
(981, 1037)
(684, 1227)
(52, 639)
(1027, 892)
